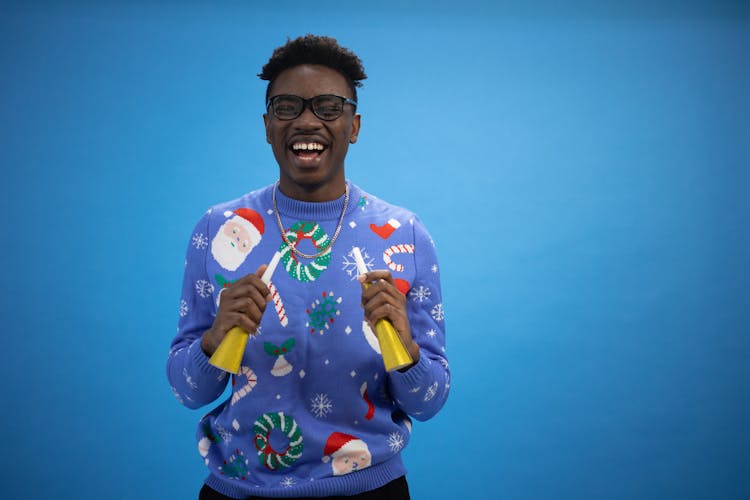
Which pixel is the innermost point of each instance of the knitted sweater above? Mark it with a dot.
(312, 411)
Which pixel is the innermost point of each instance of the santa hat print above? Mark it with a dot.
(250, 220)
(340, 442)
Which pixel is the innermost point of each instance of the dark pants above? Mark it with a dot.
(395, 490)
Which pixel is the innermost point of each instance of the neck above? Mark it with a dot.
(319, 192)
(311, 210)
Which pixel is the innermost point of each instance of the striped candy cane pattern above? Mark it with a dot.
(278, 305)
(247, 376)
(407, 248)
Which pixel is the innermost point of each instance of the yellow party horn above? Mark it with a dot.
(228, 355)
(392, 348)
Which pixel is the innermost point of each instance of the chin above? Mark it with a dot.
(311, 179)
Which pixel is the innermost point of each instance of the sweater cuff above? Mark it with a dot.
(200, 360)
(412, 376)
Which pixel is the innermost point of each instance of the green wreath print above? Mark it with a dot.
(269, 457)
(298, 232)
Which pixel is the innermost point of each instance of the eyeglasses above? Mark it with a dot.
(327, 107)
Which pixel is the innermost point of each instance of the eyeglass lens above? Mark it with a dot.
(325, 107)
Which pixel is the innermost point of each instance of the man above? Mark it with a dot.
(313, 413)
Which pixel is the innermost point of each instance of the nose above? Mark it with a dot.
(307, 120)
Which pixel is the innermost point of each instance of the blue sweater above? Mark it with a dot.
(312, 411)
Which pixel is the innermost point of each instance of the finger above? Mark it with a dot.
(393, 315)
(246, 289)
(386, 302)
(253, 279)
(381, 287)
(381, 308)
(378, 274)
(259, 273)
(253, 304)
(252, 308)
(248, 278)
(230, 320)
(382, 291)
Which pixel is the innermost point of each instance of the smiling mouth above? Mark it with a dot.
(307, 150)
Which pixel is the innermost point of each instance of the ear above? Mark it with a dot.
(355, 128)
(266, 121)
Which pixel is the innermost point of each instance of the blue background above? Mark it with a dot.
(583, 170)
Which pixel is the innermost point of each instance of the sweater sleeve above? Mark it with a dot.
(194, 381)
(422, 390)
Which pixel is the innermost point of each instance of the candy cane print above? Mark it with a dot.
(250, 380)
(405, 248)
(278, 305)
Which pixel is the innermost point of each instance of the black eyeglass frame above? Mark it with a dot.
(308, 103)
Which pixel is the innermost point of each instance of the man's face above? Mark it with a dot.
(312, 173)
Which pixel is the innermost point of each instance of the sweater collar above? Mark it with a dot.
(315, 211)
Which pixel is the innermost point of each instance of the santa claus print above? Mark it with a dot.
(346, 453)
(236, 237)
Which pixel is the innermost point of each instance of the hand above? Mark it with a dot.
(382, 300)
(242, 304)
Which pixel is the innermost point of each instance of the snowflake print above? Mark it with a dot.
(287, 482)
(395, 442)
(188, 379)
(183, 309)
(175, 350)
(199, 241)
(349, 265)
(321, 405)
(434, 268)
(225, 434)
(431, 332)
(177, 395)
(204, 288)
(431, 391)
(420, 294)
(437, 312)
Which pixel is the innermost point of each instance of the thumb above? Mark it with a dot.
(259, 274)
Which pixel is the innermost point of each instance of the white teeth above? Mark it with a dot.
(312, 146)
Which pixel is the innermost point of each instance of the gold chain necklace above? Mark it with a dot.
(289, 243)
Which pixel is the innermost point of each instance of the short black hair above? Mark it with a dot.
(314, 49)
